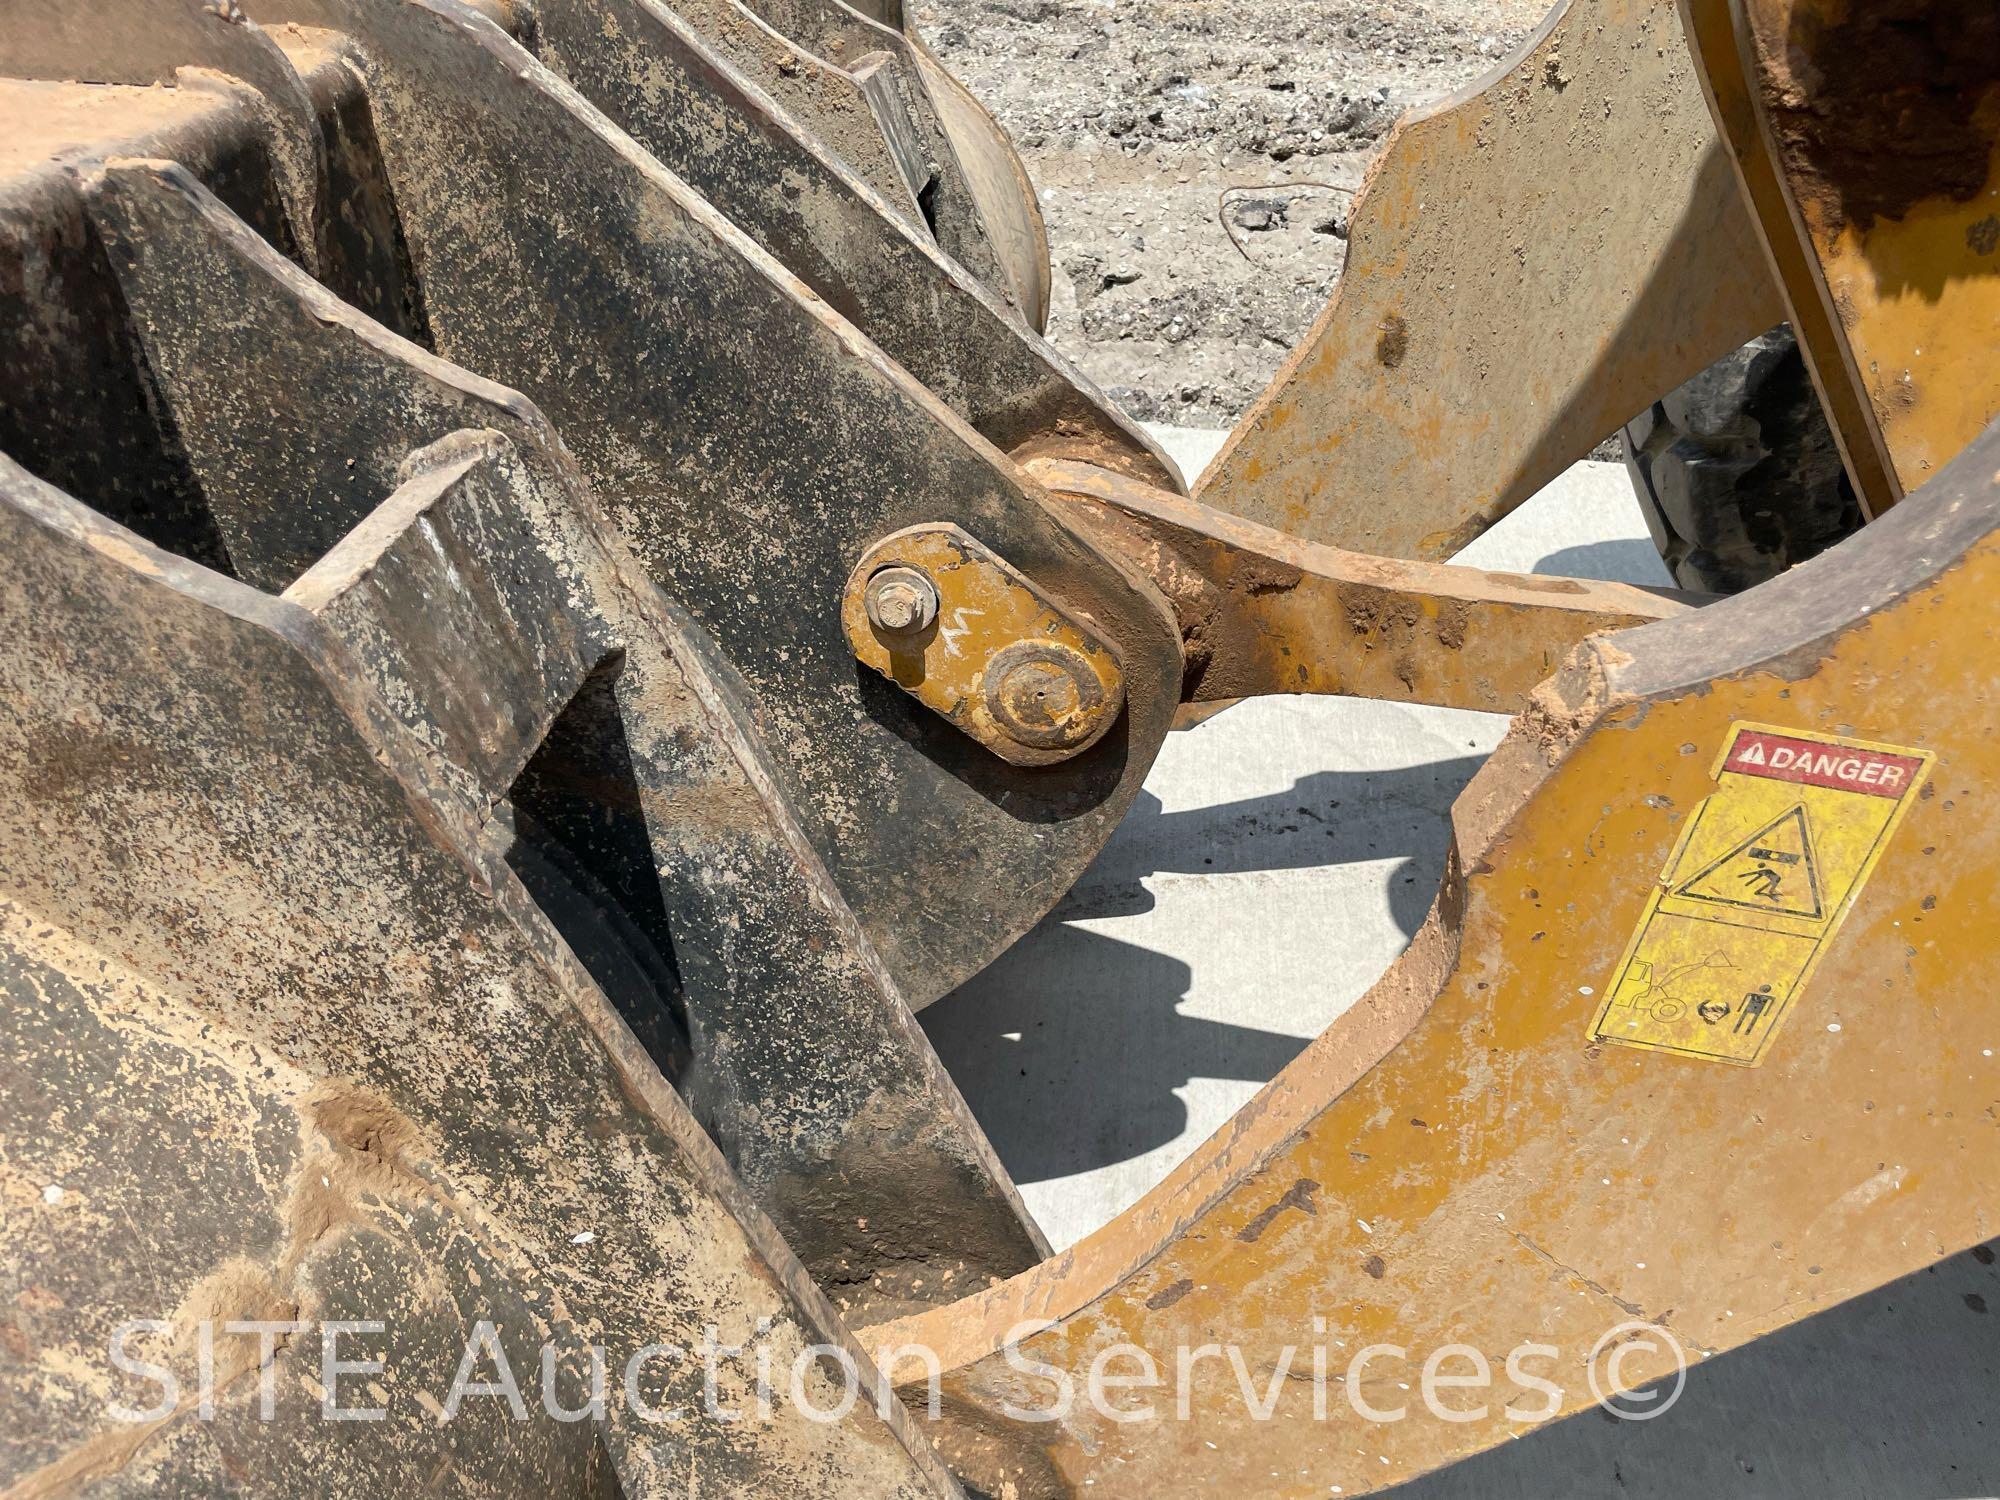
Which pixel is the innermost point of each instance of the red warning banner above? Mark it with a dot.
(1841, 768)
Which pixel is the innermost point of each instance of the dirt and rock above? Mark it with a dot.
(1196, 162)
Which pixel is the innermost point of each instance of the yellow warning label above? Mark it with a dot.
(1760, 879)
(1773, 870)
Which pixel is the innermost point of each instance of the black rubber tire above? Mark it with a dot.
(1737, 470)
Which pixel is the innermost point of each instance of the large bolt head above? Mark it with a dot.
(1045, 694)
(901, 601)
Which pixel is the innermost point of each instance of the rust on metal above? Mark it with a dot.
(526, 661)
(1558, 1189)
(1262, 612)
(773, 394)
(662, 81)
(292, 1049)
(1532, 261)
(1867, 139)
(488, 602)
(972, 638)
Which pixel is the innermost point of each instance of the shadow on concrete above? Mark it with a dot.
(1326, 818)
(1070, 1046)
(1066, 1077)
(1887, 1396)
(1627, 560)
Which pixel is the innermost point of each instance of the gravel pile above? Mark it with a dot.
(1196, 162)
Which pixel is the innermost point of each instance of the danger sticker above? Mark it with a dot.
(1758, 883)
(1838, 767)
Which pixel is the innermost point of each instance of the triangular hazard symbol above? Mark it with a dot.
(1773, 870)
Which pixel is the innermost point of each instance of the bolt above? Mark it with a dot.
(1045, 694)
(901, 601)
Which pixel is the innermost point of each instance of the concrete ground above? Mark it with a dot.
(1279, 859)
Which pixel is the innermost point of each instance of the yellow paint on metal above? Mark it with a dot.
(1921, 297)
(1264, 612)
(1726, 71)
(1888, 129)
(1498, 315)
(1756, 887)
(1454, 1163)
(1002, 660)
(1867, 141)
